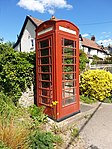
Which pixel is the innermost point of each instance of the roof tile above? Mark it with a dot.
(37, 22)
(90, 43)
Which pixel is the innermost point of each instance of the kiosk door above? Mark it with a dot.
(44, 71)
(69, 79)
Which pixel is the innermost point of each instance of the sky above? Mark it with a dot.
(92, 17)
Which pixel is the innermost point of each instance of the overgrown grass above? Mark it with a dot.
(21, 128)
(87, 99)
(75, 132)
(3, 146)
(13, 136)
(108, 100)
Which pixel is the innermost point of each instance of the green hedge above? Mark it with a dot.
(16, 71)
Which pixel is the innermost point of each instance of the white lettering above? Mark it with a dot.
(45, 31)
(67, 30)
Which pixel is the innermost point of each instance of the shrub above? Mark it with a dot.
(44, 140)
(16, 71)
(37, 114)
(96, 84)
(83, 60)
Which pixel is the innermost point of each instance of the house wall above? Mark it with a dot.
(101, 54)
(89, 51)
(93, 52)
(85, 50)
(17, 48)
(28, 36)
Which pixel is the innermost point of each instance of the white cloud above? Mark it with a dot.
(105, 42)
(106, 33)
(43, 6)
(103, 33)
(85, 35)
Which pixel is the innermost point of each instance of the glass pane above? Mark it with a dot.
(68, 51)
(45, 52)
(45, 60)
(63, 94)
(68, 68)
(63, 102)
(68, 60)
(69, 100)
(69, 84)
(46, 84)
(45, 92)
(44, 43)
(45, 68)
(68, 76)
(69, 93)
(45, 100)
(68, 43)
(45, 76)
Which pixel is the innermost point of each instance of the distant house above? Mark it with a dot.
(90, 47)
(26, 38)
(109, 48)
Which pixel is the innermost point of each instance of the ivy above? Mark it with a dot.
(16, 71)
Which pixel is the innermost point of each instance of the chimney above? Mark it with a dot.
(53, 17)
(93, 38)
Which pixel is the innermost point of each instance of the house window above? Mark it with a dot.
(32, 42)
(89, 50)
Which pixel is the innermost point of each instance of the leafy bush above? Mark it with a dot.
(95, 60)
(96, 84)
(87, 99)
(37, 114)
(83, 60)
(16, 71)
(44, 140)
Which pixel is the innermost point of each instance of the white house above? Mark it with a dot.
(90, 47)
(26, 38)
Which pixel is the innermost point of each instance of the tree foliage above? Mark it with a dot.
(83, 60)
(16, 71)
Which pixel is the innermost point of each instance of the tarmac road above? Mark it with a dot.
(97, 131)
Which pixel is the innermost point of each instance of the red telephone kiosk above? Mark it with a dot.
(57, 68)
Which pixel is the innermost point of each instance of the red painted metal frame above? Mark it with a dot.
(59, 111)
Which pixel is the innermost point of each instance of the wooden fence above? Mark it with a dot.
(107, 67)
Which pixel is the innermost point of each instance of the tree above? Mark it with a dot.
(83, 60)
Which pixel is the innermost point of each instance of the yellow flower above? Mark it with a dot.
(54, 103)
